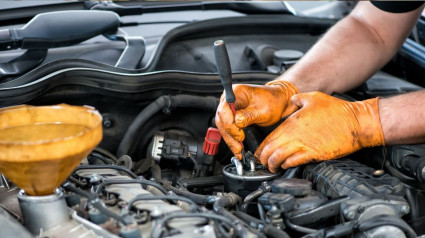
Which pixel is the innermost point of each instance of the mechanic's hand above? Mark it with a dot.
(324, 128)
(255, 104)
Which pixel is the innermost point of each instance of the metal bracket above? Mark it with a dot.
(134, 51)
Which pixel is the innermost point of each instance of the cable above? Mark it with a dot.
(99, 157)
(298, 228)
(106, 152)
(345, 229)
(96, 202)
(76, 181)
(261, 212)
(195, 166)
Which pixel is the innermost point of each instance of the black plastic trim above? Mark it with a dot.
(124, 85)
(413, 51)
(246, 25)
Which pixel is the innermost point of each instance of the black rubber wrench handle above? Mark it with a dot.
(225, 72)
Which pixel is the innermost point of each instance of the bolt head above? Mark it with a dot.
(107, 121)
(350, 215)
(378, 173)
(405, 209)
(156, 213)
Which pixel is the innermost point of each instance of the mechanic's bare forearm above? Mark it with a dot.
(402, 118)
(351, 51)
(328, 66)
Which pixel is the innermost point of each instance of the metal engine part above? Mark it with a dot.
(248, 182)
(288, 203)
(49, 216)
(409, 159)
(371, 196)
(147, 210)
(42, 213)
(365, 209)
(336, 178)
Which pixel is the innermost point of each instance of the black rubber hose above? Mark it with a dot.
(131, 133)
(106, 153)
(251, 135)
(268, 229)
(208, 181)
(264, 187)
(169, 102)
(274, 232)
(223, 202)
(291, 172)
(197, 198)
(100, 157)
(394, 172)
(208, 103)
(248, 199)
(125, 161)
(220, 206)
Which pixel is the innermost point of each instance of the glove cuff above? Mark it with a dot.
(367, 114)
(289, 90)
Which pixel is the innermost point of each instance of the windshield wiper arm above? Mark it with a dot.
(263, 7)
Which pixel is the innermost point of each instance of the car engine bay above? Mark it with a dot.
(162, 170)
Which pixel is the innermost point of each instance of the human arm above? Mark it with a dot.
(403, 118)
(345, 57)
(352, 50)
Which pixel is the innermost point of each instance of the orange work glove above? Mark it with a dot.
(255, 104)
(324, 128)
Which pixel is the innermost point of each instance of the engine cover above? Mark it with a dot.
(341, 177)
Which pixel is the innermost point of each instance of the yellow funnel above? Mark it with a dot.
(41, 145)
